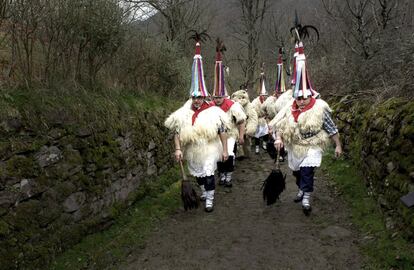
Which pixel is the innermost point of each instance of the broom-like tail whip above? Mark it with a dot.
(188, 194)
(274, 184)
(182, 171)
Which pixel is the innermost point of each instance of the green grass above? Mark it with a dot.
(93, 108)
(385, 249)
(111, 247)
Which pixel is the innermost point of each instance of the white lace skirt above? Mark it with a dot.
(313, 158)
(230, 146)
(207, 168)
(261, 131)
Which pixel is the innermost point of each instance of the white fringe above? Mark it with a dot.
(269, 107)
(242, 97)
(200, 142)
(236, 112)
(283, 99)
(309, 121)
(259, 110)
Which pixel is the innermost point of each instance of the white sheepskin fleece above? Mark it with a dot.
(308, 121)
(252, 120)
(260, 111)
(205, 127)
(273, 105)
(283, 99)
(200, 142)
(237, 115)
(269, 107)
(242, 97)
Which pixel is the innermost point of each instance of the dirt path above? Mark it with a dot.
(244, 233)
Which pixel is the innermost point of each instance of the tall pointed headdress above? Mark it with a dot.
(198, 86)
(262, 83)
(300, 79)
(303, 86)
(280, 76)
(219, 83)
(295, 54)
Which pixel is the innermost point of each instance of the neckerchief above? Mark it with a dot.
(296, 111)
(203, 106)
(261, 99)
(226, 105)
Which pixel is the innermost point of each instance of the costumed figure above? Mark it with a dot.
(269, 105)
(276, 102)
(236, 115)
(200, 136)
(242, 97)
(305, 128)
(262, 130)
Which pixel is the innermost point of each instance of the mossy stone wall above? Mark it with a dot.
(380, 140)
(59, 183)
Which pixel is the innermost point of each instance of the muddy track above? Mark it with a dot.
(244, 233)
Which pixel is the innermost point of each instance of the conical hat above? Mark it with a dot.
(262, 83)
(198, 86)
(303, 86)
(295, 54)
(219, 82)
(280, 86)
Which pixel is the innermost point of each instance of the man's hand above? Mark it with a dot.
(225, 155)
(338, 150)
(178, 155)
(270, 129)
(278, 144)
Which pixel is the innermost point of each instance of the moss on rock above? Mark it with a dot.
(22, 166)
(88, 135)
(375, 137)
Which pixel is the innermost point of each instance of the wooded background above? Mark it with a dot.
(366, 47)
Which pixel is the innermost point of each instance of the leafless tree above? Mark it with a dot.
(248, 31)
(4, 10)
(24, 22)
(178, 15)
(379, 34)
(362, 22)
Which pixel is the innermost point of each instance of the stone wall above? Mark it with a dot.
(380, 140)
(60, 183)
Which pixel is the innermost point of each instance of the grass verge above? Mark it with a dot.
(385, 249)
(42, 108)
(111, 247)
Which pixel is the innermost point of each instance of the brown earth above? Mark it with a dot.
(243, 233)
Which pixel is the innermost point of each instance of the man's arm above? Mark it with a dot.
(178, 152)
(330, 127)
(223, 139)
(242, 128)
(338, 147)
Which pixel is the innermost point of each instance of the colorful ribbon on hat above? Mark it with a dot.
(219, 84)
(198, 86)
(303, 86)
(280, 76)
